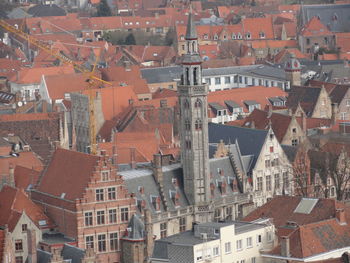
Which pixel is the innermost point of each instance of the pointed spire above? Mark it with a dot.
(191, 32)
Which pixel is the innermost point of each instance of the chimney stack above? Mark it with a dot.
(12, 175)
(32, 256)
(340, 215)
(285, 246)
(157, 168)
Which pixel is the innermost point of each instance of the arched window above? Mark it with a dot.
(187, 76)
(186, 104)
(198, 124)
(195, 79)
(193, 46)
(198, 103)
(187, 125)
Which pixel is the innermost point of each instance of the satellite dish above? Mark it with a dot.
(20, 103)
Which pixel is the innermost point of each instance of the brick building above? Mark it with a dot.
(87, 200)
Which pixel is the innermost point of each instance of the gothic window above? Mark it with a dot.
(186, 104)
(198, 103)
(198, 124)
(195, 79)
(188, 145)
(187, 125)
(187, 76)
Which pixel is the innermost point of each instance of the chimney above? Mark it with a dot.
(114, 155)
(12, 175)
(285, 247)
(133, 158)
(334, 116)
(32, 256)
(303, 121)
(44, 106)
(269, 110)
(157, 168)
(340, 216)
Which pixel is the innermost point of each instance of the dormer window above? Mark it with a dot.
(156, 202)
(225, 37)
(216, 37)
(205, 36)
(182, 37)
(239, 36)
(175, 197)
(262, 35)
(233, 36)
(222, 187)
(104, 176)
(335, 17)
(248, 35)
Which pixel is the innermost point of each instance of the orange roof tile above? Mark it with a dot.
(57, 84)
(258, 93)
(114, 99)
(26, 159)
(274, 44)
(26, 116)
(25, 177)
(257, 25)
(68, 172)
(33, 75)
(315, 28)
(14, 202)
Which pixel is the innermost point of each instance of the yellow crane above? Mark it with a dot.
(91, 77)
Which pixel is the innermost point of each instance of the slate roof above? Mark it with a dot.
(340, 23)
(290, 152)
(68, 252)
(137, 229)
(305, 96)
(338, 92)
(250, 140)
(168, 74)
(46, 10)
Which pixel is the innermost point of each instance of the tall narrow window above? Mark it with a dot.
(113, 241)
(187, 76)
(111, 193)
(124, 214)
(112, 216)
(89, 241)
(88, 219)
(163, 230)
(101, 243)
(195, 79)
(187, 125)
(100, 217)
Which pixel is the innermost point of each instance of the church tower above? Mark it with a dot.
(192, 95)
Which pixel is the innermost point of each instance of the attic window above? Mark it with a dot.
(248, 35)
(205, 36)
(262, 35)
(137, 23)
(216, 37)
(335, 17)
(239, 36)
(233, 36)
(156, 202)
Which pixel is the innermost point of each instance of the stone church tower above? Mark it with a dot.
(292, 69)
(194, 122)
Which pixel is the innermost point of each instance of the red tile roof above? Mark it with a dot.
(57, 84)
(25, 177)
(26, 117)
(33, 75)
(13, 202)
(114, 99)
(324, 209)
(317, 237)
(68, 172)
(26, 159)
(274, 44)
(257, 25)
(279, 122)
(315, 28)
(260, 94)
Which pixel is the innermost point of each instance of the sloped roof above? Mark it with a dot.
(57, 84)
(68, 172)
(46, 10)
(306, 96)
(250, 140)
(315, 28)
(13, 202)
(25, 177)
(28, 160)
(137, 229)
(317, 237)
(262, 119)
(324, 209)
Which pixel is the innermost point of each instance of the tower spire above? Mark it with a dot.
(191, 32)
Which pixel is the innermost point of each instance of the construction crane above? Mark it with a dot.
(92, 79)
